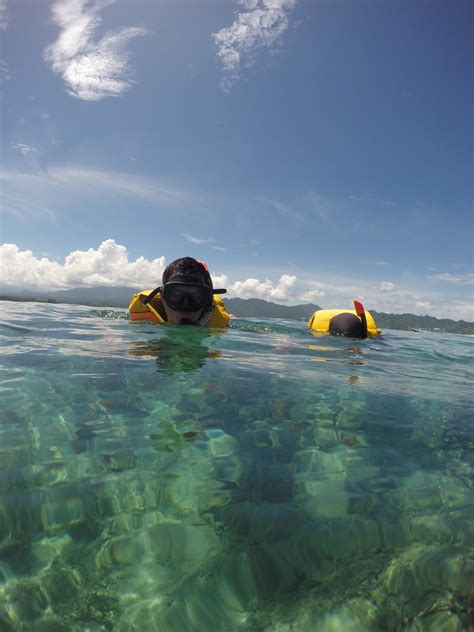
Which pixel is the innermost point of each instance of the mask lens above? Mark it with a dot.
(186, 298)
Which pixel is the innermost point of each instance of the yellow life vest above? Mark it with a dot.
(151, 311)
(319, 321)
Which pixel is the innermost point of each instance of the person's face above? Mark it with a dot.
(182, 318)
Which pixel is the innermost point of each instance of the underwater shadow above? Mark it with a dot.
(179, 349)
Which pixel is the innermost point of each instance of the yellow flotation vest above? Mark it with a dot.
(151, 311)
(319, 321)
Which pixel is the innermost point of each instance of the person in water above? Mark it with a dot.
(356, 323)
(347, 324)
(186, 293)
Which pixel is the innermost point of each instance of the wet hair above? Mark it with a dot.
(187, 270)
(346, 324)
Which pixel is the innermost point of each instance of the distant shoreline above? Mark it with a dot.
(258, 308)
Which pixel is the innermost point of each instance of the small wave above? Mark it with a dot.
(111, 314)
(266, 326)
(15, 327)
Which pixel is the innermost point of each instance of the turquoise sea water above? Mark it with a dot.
(257, 479)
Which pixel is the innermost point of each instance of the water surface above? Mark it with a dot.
(257, 479)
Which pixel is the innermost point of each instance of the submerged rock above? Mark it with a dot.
(436, 622)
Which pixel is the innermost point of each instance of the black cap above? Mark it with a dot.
(187, 270)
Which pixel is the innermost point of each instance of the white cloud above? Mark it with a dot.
(121, 183)
(221, 280)
(3, 15)
(253, 288)
(312, 295)
(92, 70)
(282, 209)
(110, 265)
(25, 194)
(106, 266)
(319, 205)
(219, 248)
(338, 294)
(261, 25)
(24, 148)
(422, 305)
(358, 197)
(414, 302)
(197, 240)
(387, 286)
(460, 279)
(4, 73)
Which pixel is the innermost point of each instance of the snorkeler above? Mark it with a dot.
(186, 297)
(357, 323)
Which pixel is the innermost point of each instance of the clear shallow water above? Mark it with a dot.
(257, 479)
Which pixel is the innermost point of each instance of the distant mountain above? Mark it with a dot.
(258, 308)
(409, 322)
(245, 308)
(95, 296)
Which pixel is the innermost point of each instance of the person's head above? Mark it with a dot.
(346, 324)
(186, 291)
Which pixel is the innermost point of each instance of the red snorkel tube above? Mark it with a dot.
(360, 311)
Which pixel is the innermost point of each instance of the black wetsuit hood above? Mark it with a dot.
(347, 324)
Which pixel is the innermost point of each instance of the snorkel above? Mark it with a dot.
(360, 311)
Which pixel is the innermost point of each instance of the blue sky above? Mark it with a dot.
(305, 150)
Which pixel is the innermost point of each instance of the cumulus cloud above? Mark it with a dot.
(197, 240)
(283, 290)
(109, 265)
(221, 280)
(92, 69)
(259, 25)
(387, 286)
(460, 279)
